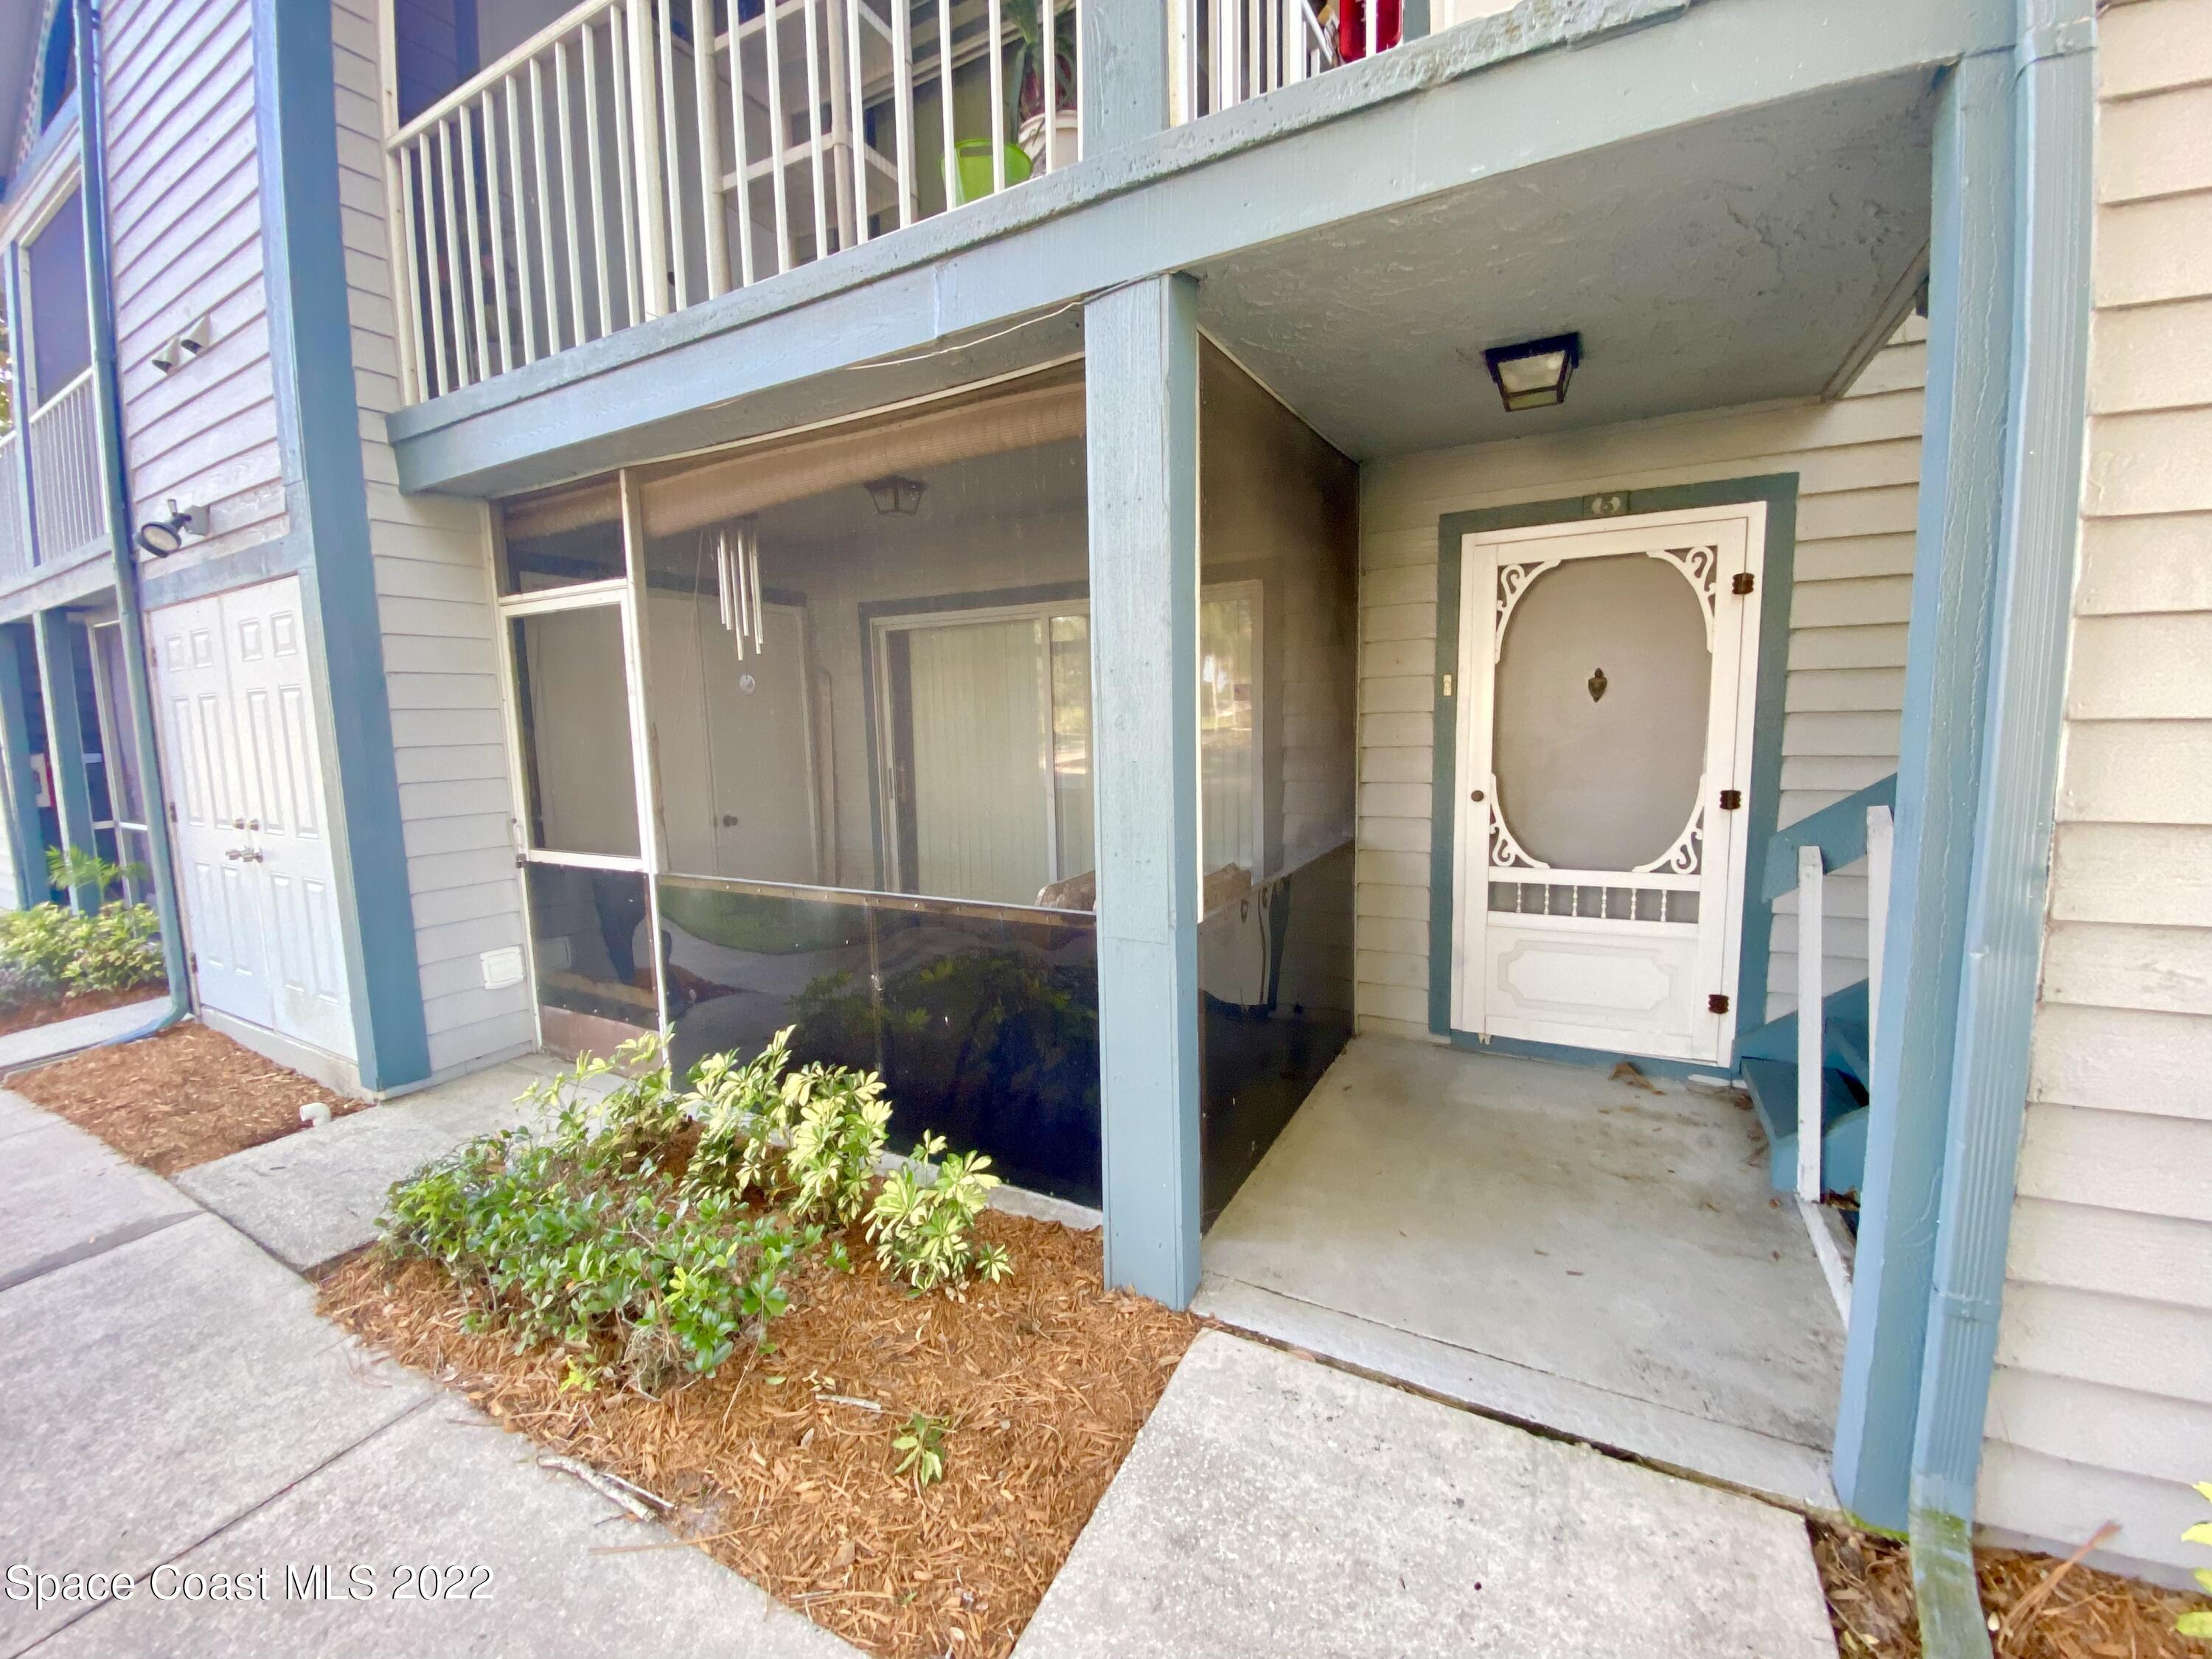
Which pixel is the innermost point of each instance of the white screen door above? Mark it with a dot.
(1606, 678)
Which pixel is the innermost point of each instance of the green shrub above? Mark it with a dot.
(808, 1139)
(2198, 1624)
(113, 950)
(579, 1234)
(926, 1234)
(562, 1245)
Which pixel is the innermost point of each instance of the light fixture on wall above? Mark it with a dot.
(737, 579)
(897, 495)
(1533, 374)
(162, 537)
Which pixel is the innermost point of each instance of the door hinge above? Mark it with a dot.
(1731, 800)
(173, 812)
(1717, 1003)
(192, 961)
(1743, 582)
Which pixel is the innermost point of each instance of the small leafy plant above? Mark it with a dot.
(925, 1233)
(808, 1139)
(50, 947)
(2198, 1624)
(921, 1449)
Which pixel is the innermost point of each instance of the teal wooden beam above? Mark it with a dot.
(19, 784)
(72, 789)
(1970, 332)
(1838, 829)
(2054, 102)
(1142, 398)
(319, 436)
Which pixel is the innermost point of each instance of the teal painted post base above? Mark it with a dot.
(27, 842)
(1142, 347)
(65, 742)
(1961, 509)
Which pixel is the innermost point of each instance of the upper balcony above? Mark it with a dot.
(631, 160)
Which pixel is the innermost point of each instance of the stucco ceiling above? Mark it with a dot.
(1734, 262)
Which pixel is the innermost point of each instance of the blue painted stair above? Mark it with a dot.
(1769, 1065)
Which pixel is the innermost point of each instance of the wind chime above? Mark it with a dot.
(737, 579)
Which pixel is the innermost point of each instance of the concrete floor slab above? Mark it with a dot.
(310, 1198)
(66, 1190)
(442, 1487)
(1273, 1506)
(1580, 1251)
(37, 1042)
(152, 1394)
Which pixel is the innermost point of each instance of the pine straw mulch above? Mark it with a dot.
(778, 1467)
(2045, 1608)
(185, 1096)
(51, 1010)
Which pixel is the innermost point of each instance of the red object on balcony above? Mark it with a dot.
(1351, 27)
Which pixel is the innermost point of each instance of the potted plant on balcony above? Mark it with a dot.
(1047, 152)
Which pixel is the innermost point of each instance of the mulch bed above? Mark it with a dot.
(186, 1096)
(45, 1011)
(779, 1467)
(2046, 1609)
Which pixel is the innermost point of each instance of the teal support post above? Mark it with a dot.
(1141, 350)
(19, 784)
(2056, 100)
(65, 742)
(326, 495)
(1961, 508)
(1125, 73)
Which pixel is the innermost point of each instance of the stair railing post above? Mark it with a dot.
(1811, 1024)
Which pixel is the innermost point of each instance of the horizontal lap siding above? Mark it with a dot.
(441, 655)
(1858, 461)
(2101, 1408)
(185, 210)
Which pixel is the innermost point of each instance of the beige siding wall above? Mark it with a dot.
(1858, 461)
(2101, 1409)
(185, 209)
(440, 657)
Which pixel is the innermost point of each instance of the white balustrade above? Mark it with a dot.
(626, 163)
(1831, 1244)
(1222, 52)
(15, 532)
(69, 481)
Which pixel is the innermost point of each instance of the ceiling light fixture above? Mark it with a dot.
(163, 536)
(897, 495)
(1533, 374)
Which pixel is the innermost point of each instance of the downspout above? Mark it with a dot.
(108, 390)
(2055, 118)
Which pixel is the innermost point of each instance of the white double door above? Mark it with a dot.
(1607, 682)
(244, 772)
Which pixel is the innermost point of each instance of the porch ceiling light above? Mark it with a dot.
(162, 537)
(895, 494)
(1533, 374)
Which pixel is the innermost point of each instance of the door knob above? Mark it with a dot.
(729, 820)
(1474, 794)
(231, 852)
(238, 823)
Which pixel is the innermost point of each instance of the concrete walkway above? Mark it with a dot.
(36, 1042)
(169, 1400)
(308, 1198)
(1273, 1506)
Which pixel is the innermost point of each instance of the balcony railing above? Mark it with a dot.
(626, 163)
(67, 481)
(1222, 52)
(14, 534)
